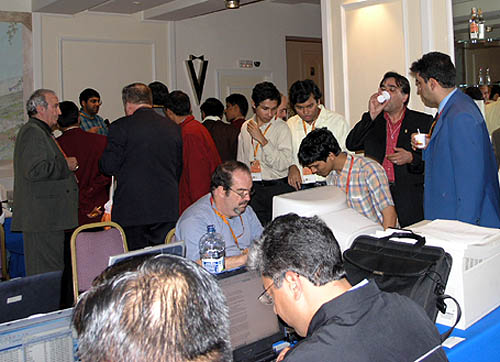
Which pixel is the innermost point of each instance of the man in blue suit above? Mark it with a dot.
(461, 180)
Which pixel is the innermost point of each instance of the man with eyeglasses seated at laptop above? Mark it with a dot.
(226, 207)
(303, 276)
(165, 309)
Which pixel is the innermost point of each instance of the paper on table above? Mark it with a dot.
(458, 232)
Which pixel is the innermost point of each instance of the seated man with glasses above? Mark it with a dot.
(384, 133)
(303, 276)
(226, 207)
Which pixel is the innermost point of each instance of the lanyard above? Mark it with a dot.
(258, 144)
(349, 177)
(313, 126)
(64, 154)
(227, 223)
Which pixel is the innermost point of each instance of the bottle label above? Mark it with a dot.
(474, 30)
(481, 31)
(214, 266)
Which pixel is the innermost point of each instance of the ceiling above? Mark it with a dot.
(152, 9)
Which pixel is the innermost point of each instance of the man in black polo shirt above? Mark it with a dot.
(303, 276)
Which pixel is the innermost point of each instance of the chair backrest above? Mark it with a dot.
(170, 238)
(90, 252)
(3, 254)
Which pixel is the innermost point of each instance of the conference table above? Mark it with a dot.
(481, 343)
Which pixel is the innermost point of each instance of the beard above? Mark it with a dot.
(241, 208)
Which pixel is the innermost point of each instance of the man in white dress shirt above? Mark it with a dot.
(305, 100)
(265, 146)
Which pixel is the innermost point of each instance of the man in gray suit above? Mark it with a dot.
(45, 186)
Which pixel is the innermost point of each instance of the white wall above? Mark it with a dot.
(254, 32)
(100, 51)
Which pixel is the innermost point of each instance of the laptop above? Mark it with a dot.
(254, 327)
(22, 297)
(44, 338)
(177, 248)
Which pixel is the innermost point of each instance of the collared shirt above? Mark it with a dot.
(347, 328)
(214, 118)
(87, 122)
(445, 100)
(192, 225)
(275, 157)
(368, 191)
(392, 134)
(334, 122)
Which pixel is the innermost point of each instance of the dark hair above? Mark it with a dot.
(37, 99)
(401, 81)
(137, 93)
(88, 93)
(212, 107)
(263, 91)
(160, 93)
(438, 66)
(495, 89)
(69, 114)
(178, 102)
(304, 245)
(169, 309)
(317, 145)
(301, 90)
(474, 92)
(240, 100)
(223, 174)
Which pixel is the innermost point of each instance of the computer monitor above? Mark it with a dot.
(254, 327)
(177, 248)
(43, 338)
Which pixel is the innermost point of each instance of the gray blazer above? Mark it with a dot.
(45, 190)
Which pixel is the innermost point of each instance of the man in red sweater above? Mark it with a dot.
(200, 157)
(87, 147)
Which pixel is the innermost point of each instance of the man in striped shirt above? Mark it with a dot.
(363, 180)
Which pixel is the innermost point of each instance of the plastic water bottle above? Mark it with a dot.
(212, 251)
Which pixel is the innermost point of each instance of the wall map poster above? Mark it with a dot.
(13, 70)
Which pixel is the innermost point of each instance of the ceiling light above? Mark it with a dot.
(232, 4)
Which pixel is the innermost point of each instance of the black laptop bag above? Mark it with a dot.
(415, 270)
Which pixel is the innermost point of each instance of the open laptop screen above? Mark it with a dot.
(44, 338)
(250, 320)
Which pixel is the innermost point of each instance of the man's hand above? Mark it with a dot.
(374, 107)
(294, 177)
(282, 354)
(233, 261)
(256, 133)
(93, 129)
(72, 163)
(415, 145)
(400, 156)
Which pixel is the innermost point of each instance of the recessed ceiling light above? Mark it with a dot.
(232, 4)
(136, 2)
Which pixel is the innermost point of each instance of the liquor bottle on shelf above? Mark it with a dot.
(480, 77)
(488, 77)
(480, 24)
(473, 26)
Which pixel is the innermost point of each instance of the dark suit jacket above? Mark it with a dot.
(45, 190)
(408, 188)
(93, 186)
(225, 137)
(144, 152)
(495, 138)
(461, 176)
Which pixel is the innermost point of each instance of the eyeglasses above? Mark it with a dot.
(265, 298)
(243, 193)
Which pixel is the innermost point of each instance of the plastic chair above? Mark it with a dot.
(3, 255)
(170, 236)
(90, 252)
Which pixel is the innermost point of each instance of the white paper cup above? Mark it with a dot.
(421, 140)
